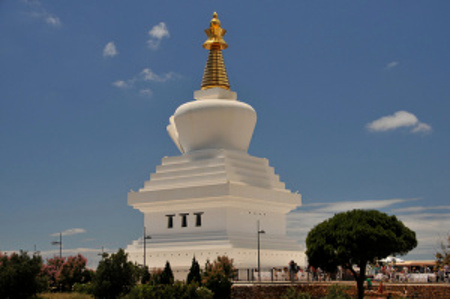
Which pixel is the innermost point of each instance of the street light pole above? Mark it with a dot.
(145, 245)
(60, 245)
(259, 249)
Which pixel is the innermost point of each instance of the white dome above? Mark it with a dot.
(214, 123)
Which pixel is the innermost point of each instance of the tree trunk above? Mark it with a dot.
(360, 280)
(360, 285)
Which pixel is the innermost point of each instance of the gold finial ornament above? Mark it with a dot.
(215, 74)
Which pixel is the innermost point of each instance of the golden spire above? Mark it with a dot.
(215, 74)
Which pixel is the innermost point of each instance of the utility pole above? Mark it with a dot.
(259, 249)
(145, 245)
(60, 245)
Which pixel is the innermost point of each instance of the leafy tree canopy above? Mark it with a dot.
(19, 275)
(443, 256)
(356, 238)
(63, 273)
(218, 277)
(115, 275)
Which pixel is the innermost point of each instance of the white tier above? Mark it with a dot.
(233, 191)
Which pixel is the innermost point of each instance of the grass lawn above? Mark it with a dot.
(64, 296)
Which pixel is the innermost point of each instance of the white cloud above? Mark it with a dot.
(398, 120)
(110, 50)
(392, 64)
(421, 209)
(39, 12)
(422, 128)
(71, 231)
(157, 33)
(121, 84)
(342, 206)
(148, 75)
(53, 20)
(146, 92)
(142, 79)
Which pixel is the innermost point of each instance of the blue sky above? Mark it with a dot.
(352, 100)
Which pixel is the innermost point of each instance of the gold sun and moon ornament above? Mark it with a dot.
(215, 73)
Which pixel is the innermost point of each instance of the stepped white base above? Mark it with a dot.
(232, 191)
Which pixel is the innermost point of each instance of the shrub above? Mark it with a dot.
(178, 290)
(115, 276)
(337, 291)
(292, 293)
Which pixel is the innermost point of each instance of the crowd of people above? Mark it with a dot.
(386, 273)
(425, 273)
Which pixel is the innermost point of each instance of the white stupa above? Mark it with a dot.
(208, 201)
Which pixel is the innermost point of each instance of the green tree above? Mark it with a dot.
(218, 277)
(356, 238)
(115, 276)
(194, 274)
(145, 278)
(19, 275)
(167, 275)
(443, 256)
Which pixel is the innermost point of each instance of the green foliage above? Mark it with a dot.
(337, 291)
(443, 256)
(115, 276)
(218, 277)
(155, 277)
(19, 275)
(145, 275)
(194, 274)
(166, 275)
(83, 288)
(292, 293)
(178, 290)
(357, 237)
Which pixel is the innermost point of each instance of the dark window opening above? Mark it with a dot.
(184, 219)
(198, 218)
(170, 221)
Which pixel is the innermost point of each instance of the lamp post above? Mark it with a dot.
(60, 245)
(102, 254)
(259, 259)
(145, 245)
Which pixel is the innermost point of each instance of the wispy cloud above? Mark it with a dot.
(120, 84)
(429, 227)
(391, 65)
(110, 50)
(421, 209)
(422, 128)
(142, 79)
(146, 92)
(157, 33)
(148, 75)
(399, 119)
(342, 206)
(39, 12)
(70, 231)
